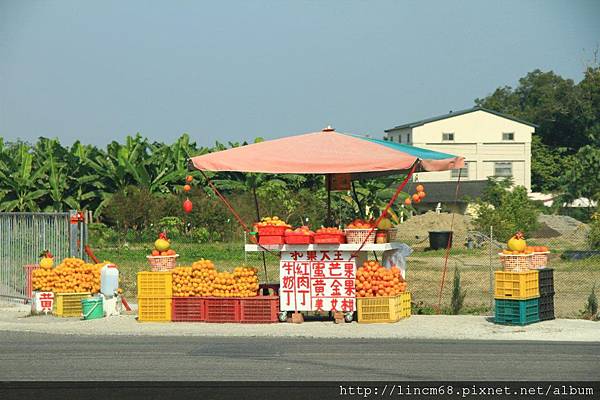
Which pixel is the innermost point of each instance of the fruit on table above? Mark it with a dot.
(517, 242)
(271, 221)
(202, 279)
(72, 275)
(373, 280)
(330, 231)
(303, 230)
(47, 260)
(162, 243)
(360, 224)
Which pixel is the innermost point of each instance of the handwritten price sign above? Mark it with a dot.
(317, 281)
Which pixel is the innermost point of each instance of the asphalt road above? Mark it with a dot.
(29, 356)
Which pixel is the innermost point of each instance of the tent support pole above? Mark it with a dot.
(264, 260)
(329, 222)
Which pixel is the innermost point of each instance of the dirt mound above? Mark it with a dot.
(563, 224)
(420, 225)
(545, 232)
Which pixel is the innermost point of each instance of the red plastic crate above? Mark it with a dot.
(271, 239)
(188, 309)
(222, 309)
(259, 310)
(330, 238)
(298, 239)
(272, 230)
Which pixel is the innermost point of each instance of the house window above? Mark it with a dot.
(508, 136)
(408, 138)
(503, 169)
(464, 172)
(399, 138)
(447, 137)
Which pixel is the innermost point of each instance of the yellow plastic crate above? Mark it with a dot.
(517, 285)
(383, 309)
(404, 305)
(155, 284)
(154, 309)
(68, 304)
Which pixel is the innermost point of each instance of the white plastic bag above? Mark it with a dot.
(397, 257)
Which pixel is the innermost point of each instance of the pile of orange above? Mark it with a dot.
(72, 275)
(360, 224)
(528, 250)
(203, 280)
(374, 280)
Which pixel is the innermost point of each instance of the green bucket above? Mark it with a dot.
(92, 308)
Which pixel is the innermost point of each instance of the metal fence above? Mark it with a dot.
(23, 236)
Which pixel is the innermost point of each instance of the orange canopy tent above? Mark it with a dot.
(327, 152)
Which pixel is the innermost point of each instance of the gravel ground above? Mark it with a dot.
(16, 318)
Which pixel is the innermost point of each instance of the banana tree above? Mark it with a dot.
(20, 182)
(372, 196)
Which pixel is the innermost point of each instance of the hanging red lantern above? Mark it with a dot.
(187, 206)
(187, 188)
(189, 179)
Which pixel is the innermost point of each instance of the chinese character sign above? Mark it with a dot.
(320, 280)
(44, 301)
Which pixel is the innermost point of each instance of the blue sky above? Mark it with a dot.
(234, 70)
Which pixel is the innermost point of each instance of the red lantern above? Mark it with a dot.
(187, 206)
(189, 179)
(187, 188)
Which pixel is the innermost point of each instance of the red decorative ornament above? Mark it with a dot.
(187, 206)
(187, 188)
(189, 179)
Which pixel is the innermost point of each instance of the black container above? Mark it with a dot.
(546, 281)
(546, 307)
(440, 239)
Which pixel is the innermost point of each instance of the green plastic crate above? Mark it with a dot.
(517, 312)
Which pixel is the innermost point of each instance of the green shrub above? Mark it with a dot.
(590, 310)
(594, 233)
(100, 235)
(458, 295)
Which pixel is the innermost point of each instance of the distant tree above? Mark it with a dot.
(567, 115)
(582, 178)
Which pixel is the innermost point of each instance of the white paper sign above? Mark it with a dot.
(320, 280)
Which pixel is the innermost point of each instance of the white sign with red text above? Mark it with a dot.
(43, 302)
(321, 280)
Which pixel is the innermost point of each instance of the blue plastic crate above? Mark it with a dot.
(517, 312)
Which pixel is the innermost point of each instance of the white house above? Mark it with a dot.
(492, 143)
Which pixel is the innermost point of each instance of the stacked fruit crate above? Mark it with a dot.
(546, 284)
(517, 296)
(155, 294)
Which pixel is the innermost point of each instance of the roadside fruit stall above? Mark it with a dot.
(69, 288)
(328, 270)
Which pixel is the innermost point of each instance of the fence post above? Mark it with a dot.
(491, 252)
